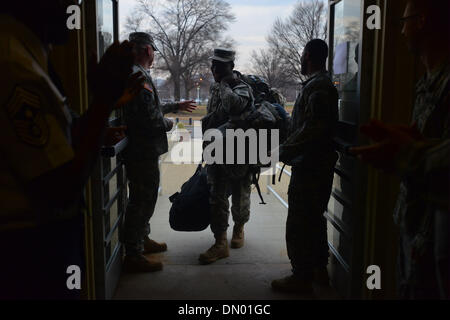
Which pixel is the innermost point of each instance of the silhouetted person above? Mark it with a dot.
(419, 155)
(309, 149)
(230, 100)
(46, 158)
(147, 127)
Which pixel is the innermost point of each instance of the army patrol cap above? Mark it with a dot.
(223, 55)
(143, 38)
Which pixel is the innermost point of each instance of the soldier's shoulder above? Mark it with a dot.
(9, 44)
(14, 56)
(321, 82)
(135, 70)
(19, 71)
(242, 89)
(214, 86)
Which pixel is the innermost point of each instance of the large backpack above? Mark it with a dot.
(265, 101)
(263, 115)
(190, 209)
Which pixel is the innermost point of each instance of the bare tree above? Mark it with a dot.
(185, 32)
(288, 37)
(133, 22)
(266, 63)
(198, 63)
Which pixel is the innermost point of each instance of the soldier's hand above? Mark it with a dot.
(114, 135)
(108, 78)
(135, 84)
(230, 79)
(188, 106)
(389, 140)
(169, 124)
(378, 131)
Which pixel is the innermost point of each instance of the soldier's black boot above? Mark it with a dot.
(320, 276)
(151, 246)
(293, 284)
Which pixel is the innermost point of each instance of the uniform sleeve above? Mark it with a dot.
(33, 140)
(144, 115)
(170, 108)
(426, 163)
(317, 127)
(234, 101)
(426, 160)
(168, 124)
(213, 90)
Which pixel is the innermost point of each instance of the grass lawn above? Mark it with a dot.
(197, 114)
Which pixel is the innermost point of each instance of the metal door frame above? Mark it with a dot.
(360, 219)
(107, 261)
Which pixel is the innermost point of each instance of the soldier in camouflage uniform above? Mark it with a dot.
(230, 99)
(419, 155)
(277, 97)
(309, 149)
(47, 156)
(147, 127)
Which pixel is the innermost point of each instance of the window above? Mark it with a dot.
(105, 25)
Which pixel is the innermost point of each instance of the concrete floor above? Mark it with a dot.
(245, 275)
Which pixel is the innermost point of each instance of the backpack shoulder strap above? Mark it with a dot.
(255, 181)
(281, 172)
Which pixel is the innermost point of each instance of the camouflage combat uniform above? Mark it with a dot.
(232, 104)
(309, 149)
(422, 207)
(146, 130)
(37, 244)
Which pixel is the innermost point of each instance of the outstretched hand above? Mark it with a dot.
(188, 106)
(389, 140)
(114, 134)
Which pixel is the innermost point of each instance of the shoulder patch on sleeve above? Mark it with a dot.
(25, 112)
(242, 91)
(147, 87)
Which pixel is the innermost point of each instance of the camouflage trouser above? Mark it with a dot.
(222, 181)
(423, 268)
(143, 179)
(306, 227)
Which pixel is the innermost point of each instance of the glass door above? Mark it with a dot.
(109, 192)
(344, 34)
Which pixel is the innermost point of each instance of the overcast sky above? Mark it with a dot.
(254, 18)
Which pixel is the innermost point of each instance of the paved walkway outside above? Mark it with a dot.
(246, 274)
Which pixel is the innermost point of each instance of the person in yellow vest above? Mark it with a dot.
(46, 158)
